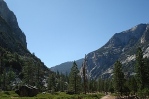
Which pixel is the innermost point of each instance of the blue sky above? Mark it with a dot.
(58, 31)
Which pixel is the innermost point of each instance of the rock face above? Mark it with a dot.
(122, 46)
(11, 36)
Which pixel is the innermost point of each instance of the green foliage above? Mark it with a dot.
(74, 79)
(58, 95)
(100, 85)
(110, 87)
(143, 93)
(142, 70)
(142, 74)
(118, 77)
(52, 83)
(27, 68)
(29, 72)
(146, 72)
(132, 84)
(92, 86)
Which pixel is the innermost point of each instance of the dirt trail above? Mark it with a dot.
(108, 97)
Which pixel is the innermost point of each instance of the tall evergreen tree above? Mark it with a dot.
(110, 87)
(52, 82)
(106, 85)
(140, 70)
(4, 79)
(100, 85)
(146, 71)
(118, 77)
(74, 79)
(132, 84)
(39, 76)
(29, 72)
(9, 78)
(0, 69)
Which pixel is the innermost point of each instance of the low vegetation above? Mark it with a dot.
(57, 95)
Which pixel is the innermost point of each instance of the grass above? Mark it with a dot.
(58, 95)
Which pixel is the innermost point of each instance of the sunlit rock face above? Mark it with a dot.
(122, 46)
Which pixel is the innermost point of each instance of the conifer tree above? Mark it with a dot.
(74, 79)
(100, 85)
(133, 84)
(118, 77)
(140, 70)
(0, 69)
(146, 72)
(10, 77)
(52, 82)
(39, 76)
(110, 87)
(29, 73)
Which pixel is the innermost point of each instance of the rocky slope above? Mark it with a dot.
(122, 46)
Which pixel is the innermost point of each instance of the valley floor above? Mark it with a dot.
(57, 95)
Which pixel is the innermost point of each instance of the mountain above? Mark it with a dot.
(122, 46)
(66, 67)
(13, 46)
(12, 36)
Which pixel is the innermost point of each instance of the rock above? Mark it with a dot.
(27, 91)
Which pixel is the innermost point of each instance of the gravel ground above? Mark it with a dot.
(108, 97)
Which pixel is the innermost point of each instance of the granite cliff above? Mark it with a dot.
(122, 46)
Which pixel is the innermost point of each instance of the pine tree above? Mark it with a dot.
(39, 76)
(4, 79)
(100, 85)
(106, 85)
(52, 82)
(118, 77)
(146, 72)
(110, 87)
(74, 79)
(140, 70)
(0, 69)
(133, 85)
(29, 72)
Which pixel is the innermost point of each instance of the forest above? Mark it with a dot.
(16, 70)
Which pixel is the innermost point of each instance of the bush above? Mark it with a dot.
(143, 93)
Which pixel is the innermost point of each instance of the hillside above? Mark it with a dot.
(65, 67)
(14, 55)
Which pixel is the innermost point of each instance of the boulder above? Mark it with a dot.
(27, 91)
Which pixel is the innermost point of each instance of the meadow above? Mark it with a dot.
(57, 95)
